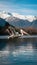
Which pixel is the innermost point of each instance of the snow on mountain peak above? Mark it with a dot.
(4, 15)
(30, 18)
(18, 16)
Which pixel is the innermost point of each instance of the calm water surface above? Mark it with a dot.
(18, 52)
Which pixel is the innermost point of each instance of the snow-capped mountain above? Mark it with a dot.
(19, 20)
(30, 18)
(4, 15)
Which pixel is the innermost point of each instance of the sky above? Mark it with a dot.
(23, 7)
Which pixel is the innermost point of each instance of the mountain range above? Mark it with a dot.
(19, 20)
(29, 22)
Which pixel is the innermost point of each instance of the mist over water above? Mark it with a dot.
(18, 51)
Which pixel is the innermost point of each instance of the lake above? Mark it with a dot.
(18, 51)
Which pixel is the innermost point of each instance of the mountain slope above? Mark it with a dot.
(2, 22)
(5, 27)
(18, 22)
(34, 24)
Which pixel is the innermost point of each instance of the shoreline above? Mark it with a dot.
(18, 36)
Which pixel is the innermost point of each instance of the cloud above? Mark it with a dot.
(25, 9)
(29, 11)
